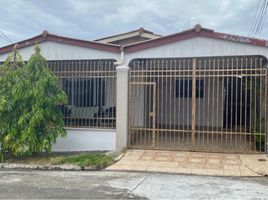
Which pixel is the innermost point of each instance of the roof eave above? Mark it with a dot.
(191, 33)
(60, 39)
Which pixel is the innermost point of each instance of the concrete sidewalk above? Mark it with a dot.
(217, 164)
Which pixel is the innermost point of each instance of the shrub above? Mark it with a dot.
(30, 118)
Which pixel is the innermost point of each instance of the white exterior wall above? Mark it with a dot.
(80, 139)
(199, 47)
(58, 51)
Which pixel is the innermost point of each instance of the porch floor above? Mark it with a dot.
(218, 164)
(213, 142)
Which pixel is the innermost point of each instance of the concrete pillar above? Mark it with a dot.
(121, 107)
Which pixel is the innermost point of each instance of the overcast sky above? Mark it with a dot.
(92, 19)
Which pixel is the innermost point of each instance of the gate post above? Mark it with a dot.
(121, 107)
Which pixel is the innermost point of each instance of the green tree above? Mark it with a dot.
(30, 118)
(10, 73)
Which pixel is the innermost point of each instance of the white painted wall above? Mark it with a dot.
(58, 51)
(86, 140)
(194, 47)
(198, 47)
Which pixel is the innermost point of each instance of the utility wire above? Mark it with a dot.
(3, 35)
(259, 13)
(253, 22)
(264, 17)
(259, 18)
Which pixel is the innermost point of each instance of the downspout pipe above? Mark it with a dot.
(122, 54)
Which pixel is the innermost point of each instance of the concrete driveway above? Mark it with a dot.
(126, 185)
(199, 163)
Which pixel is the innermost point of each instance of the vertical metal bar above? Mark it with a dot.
(260, 105)
(232, 92)
(217, 68)
(255, 103)
(266, 110)
(135, 133)
(154, 114)
(227, 101)
(170, 99)
(205, 115)
(213, 100)
(183, 121)
(81, 69)
(179, 113)
(144, 68)
(174, 103)
(209, 117)
(159, 94)
(164, 65)
(199, 101)
(135, 123)
(236, 100)
(246, 101)
(87, 122)
(222, 97)
(189, 81)
(193, 102)
(99, 88)
(144, 89)
(151, 77)
(250, 102)
(241, 99)
(107, 105)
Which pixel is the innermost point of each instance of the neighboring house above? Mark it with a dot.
(131, 37)
(197, 90)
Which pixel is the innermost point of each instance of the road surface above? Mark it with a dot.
(126, 185)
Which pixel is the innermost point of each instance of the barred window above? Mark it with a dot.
(90, 87)
(184, 88)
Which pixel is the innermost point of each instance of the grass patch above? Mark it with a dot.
(97, 160)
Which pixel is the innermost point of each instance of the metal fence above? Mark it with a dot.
(91, 90)
(216, 104)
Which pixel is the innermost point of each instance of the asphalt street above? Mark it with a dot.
(16, 184)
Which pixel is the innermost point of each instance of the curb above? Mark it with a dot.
(48, 167)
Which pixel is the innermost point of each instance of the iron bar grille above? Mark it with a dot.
(216, 104)
(91, 89)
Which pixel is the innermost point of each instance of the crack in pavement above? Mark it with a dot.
(133, 189)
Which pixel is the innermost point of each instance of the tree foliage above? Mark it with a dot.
(29, 99)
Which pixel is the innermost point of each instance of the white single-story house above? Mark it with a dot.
(196, 90)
